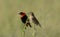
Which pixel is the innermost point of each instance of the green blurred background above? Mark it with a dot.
(46, 11)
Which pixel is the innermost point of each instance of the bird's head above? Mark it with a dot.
(31, 13)
(22, 14)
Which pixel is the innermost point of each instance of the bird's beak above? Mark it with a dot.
(19, 13)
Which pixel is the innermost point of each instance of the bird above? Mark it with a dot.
(34, 19)
(25, 19)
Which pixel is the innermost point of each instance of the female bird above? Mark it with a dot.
(34, 19)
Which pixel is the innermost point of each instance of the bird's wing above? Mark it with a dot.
(36, 21)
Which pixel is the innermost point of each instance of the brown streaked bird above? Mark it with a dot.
(34, 19)
(24, 19)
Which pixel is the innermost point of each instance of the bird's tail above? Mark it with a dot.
(40, 25)
(28, 23)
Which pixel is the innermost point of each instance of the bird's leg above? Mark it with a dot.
(35, 30)
(25, 26)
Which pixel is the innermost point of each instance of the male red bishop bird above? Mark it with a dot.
(24, 19)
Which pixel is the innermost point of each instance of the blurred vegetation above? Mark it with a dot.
(46, 11)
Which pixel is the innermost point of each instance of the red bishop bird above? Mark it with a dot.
(24, 19)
